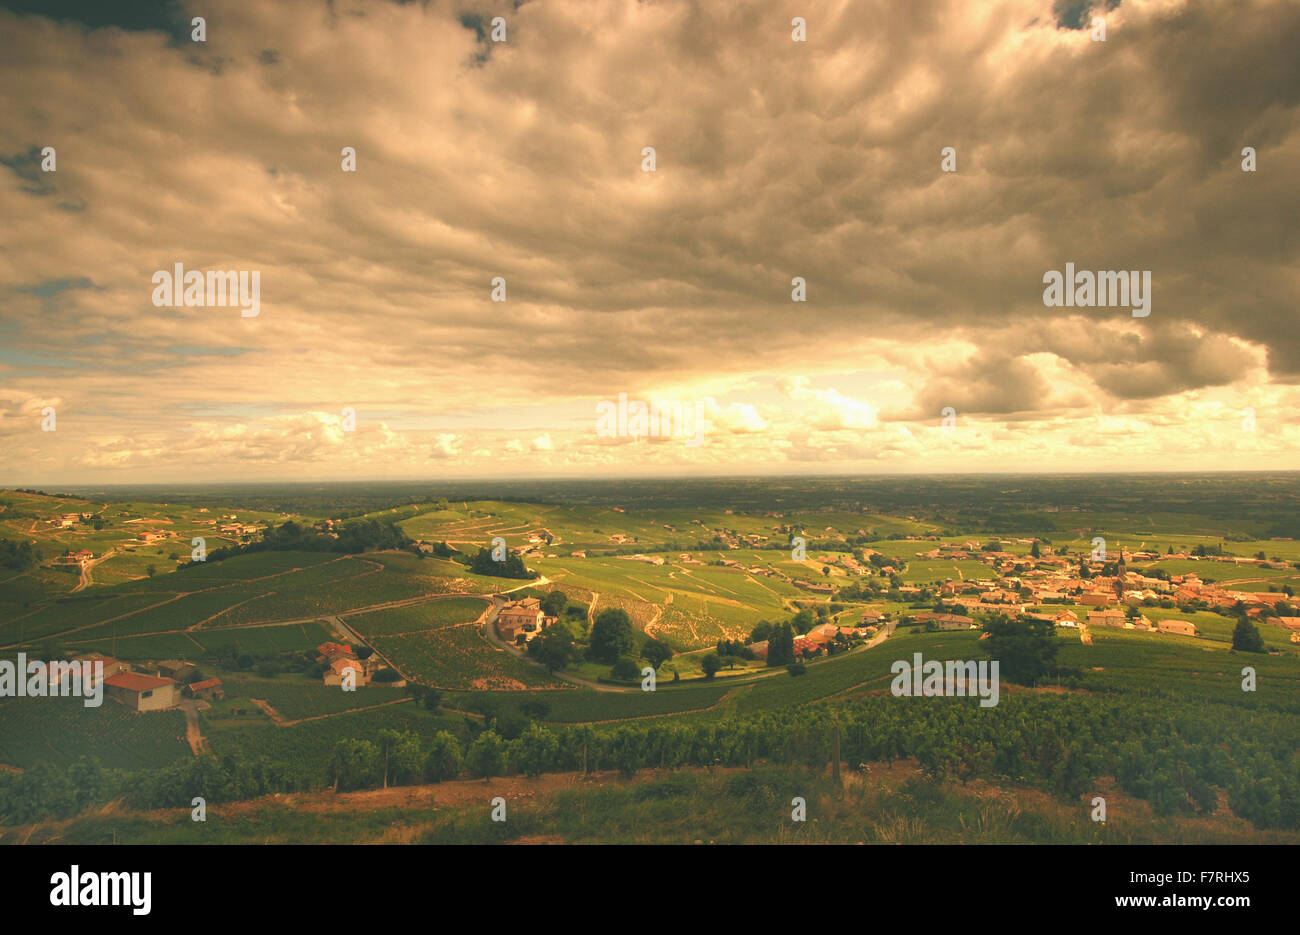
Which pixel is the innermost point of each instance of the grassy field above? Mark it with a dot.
(280, 605)
(459, 657)
(59, 730)
(295, 697)
(430, 615)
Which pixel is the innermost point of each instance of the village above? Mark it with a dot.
(1092, 591)
(166, 684)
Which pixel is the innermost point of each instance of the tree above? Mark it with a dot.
(429, 698)
(803, 621)
(1246, 638)
(1024, 650)
(611, 636)
(512, 567)
(1034, 550)
(762, 631)
(536, 751)
(554, 648)
(150, 570)
(17, 555)
(486, 756)
(401, 755)
(443, 759)
(625, 669)
(656, 651)
(510, 723)
(553, 603)
(354, 765)
(780, 648)
(710, 664)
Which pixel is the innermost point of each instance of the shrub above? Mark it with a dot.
(625, 669)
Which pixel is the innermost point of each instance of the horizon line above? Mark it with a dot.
(648, 477)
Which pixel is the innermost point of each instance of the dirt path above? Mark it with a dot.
(85, 580)
(335, 619)
(648, 629)
(280, 720)
(175, 596)
(64, 634)
(193, 734)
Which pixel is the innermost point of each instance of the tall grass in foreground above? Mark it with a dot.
(750, 807)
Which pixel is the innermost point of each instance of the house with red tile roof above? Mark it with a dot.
(823, 633)
(339, 667)
(328, 652)
(1106, 618)
(141, 692)
(806, 647)
(208, 690)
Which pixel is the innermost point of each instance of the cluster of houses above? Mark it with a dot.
(159, 686)
(238, 529)
(648, 559)
(817, 641)
(340, 659)
(1055, 579)
(947, 621)
(162, 685)
(763, 570)
(523, 618)
(75, 557)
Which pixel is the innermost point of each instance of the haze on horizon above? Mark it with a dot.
(523, 160)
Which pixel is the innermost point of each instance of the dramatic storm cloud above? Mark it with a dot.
(924, 343)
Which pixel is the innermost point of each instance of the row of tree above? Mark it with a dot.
(512, 566)
(1178, 755)
(18, 556)
(352, 538)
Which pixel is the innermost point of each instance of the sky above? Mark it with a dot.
(518, 170)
